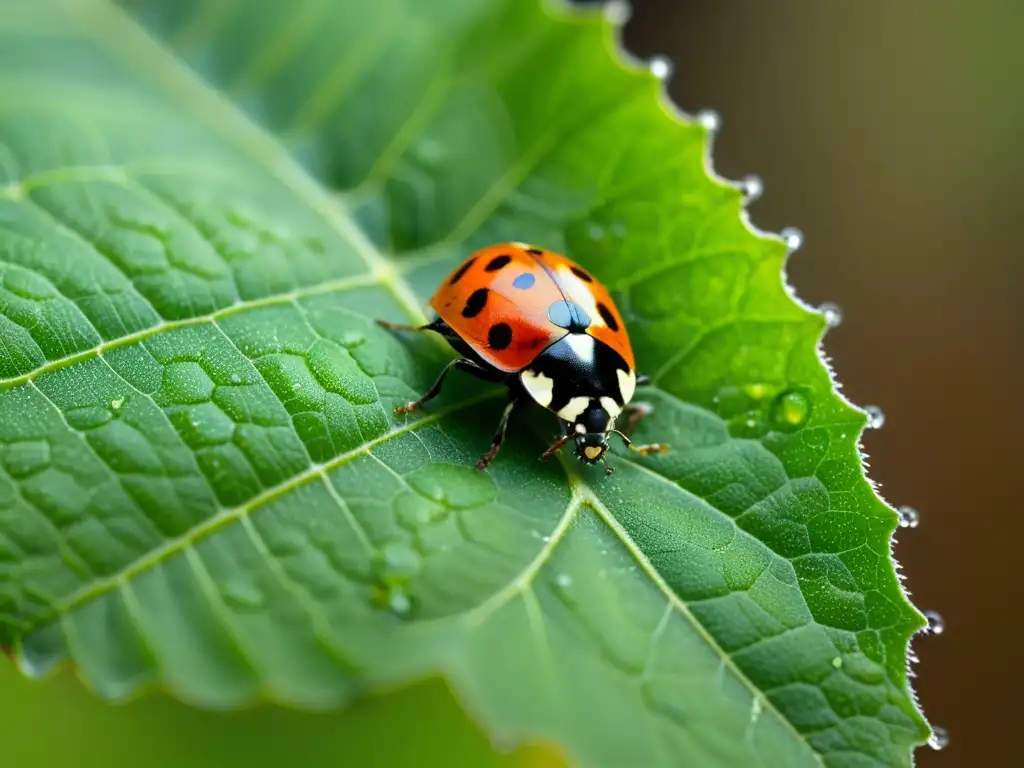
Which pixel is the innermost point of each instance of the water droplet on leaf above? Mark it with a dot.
(399, 562)
(352, 339)
(791, 410)
(837, 662)
(117, 403)
(709, 119)
(455, 487)
(617, 12)
(792, 237)
(876, 417)
(236, 379)
(752, 188)
(936, 624)
(398, 602)
(754, 391)
(596, 231)
(909, 517)
(832, 312)
(660, 67)
(242, 596)
(939, 738)
(563, 580)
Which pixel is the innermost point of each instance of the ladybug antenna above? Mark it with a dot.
(626, 441)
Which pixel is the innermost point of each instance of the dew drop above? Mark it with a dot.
(792, 237)
(939, 738)
(908, 517)
(563, 580)
(596, 231)
(352, 339)
(936, 624)
(399, 562)
(751, 187)
(791, 410)
(297, 385)
(709, 119)
(660, 67)
(617, 12)
(545, 539)
(837, 662)
(242, 596)
(755, 391)
(236, 379)
(876, 417)
(117, 403)
(751, 423)
(619, 229)
(832, 312)
(399, 602)
(431, 152)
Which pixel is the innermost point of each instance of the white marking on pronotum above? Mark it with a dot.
(580, 429)
(627, 385)
(572, 410)
(538, 386)
(583, 345)
(613, 408)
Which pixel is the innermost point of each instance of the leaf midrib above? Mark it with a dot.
(139, 48)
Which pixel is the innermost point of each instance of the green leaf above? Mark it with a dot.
(204, 487)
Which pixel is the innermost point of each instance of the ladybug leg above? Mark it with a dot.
(435, 325)
(461, 363)
(637, 411)
(555, 446)
(642, 379)
(499, 436)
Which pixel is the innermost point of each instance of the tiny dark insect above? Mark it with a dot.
(543, 326)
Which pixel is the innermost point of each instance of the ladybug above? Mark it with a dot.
(543, 326)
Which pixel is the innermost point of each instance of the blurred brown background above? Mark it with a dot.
(892, 135)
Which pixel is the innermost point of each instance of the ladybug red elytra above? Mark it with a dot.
(543, 326)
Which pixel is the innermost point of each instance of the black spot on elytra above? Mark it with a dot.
(569, 315)
(475, 303)
(460, 272)
(581, 274)
(607, 316)
(497, 263)
(535, 251)
(524, 281)
(499, 336)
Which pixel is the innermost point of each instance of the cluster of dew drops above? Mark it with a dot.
(907, 516)
(752, 188)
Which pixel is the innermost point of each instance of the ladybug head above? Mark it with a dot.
(591, 446)
(591, 429)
